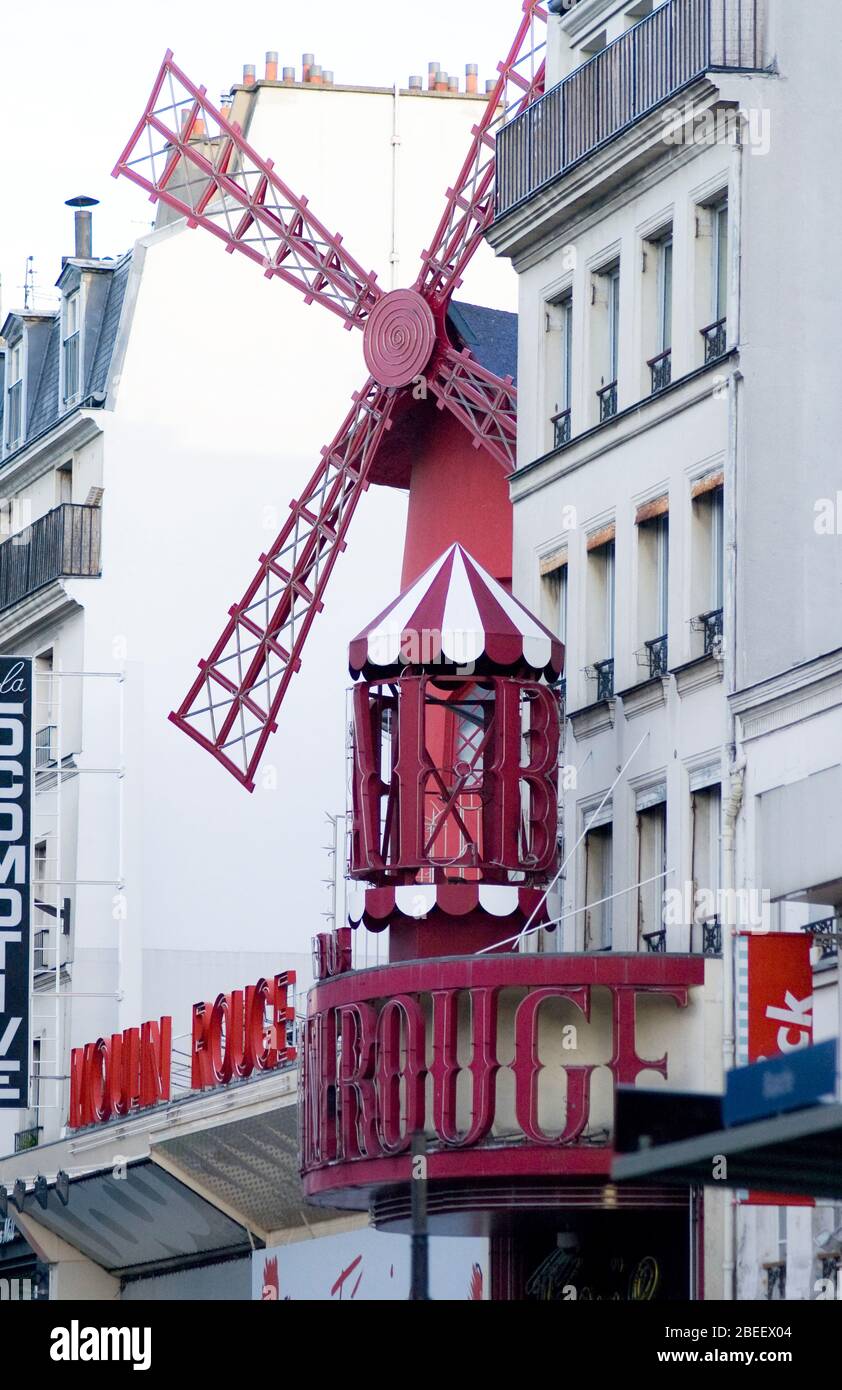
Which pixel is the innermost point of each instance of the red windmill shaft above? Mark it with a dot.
(185, 152)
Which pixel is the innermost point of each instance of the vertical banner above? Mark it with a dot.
(780, 1013)
(16, 716)
(780, 994)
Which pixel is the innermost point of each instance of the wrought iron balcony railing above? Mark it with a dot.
(716, 340)
(661, 370)
(674, 46)
(604, 679)
(711, 624)
(607, 401)
(658, 654)
(66, 541)
(27, 1138)
(825, 936)
(656, 941)
(561, 428)
(712, 937)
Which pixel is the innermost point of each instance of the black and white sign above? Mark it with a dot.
(16, 701)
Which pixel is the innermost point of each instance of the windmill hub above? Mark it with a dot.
(399, 338)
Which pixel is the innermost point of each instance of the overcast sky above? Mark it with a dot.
(75, 77)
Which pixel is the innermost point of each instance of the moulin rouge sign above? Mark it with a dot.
(234, 1036)
(387, 1052)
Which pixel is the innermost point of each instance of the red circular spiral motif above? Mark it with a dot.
(399, 338)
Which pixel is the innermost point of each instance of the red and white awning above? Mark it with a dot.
(376, 908)
(456, 615)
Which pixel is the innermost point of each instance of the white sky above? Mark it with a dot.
(75, 78)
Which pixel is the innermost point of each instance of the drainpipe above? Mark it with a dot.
(730, 813)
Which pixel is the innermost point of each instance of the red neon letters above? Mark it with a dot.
(115, 1076)
(242, 1032)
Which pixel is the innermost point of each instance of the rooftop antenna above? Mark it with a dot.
(28, 286)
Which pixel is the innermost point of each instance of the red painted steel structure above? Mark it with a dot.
(186, 153)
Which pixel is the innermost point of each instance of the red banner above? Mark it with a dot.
(780, 1013)
(780, 994)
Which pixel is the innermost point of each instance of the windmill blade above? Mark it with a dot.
(232, 705)
(484, 403)
(470, 203)
(185, 152)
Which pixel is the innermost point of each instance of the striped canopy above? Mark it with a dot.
(456, 615)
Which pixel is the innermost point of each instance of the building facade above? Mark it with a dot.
(667, 512)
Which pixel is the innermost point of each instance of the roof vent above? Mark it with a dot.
(82, 225)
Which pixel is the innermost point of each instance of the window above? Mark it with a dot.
(706, 928)
(70, 348)
(652, 865)
(554, 585)
(599, 886)
(601, 600)
(14, 395)
(560, 368)
(708, 570)
(64, 483)
(715, 334)
(653, 586)
(605, 338)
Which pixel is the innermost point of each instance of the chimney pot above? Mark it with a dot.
(433, 71)
(416, 84)
(307, 61)
(316, 75)
(441, 81)
(82, 225)
(271, 67)
(490, 84)
(472, 78)
(289, 74)
(453, 84)
(327, 77)
(248, 74)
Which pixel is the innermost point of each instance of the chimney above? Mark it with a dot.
(315, 75)
(248, 74)
(441, 81)
(472, 78)
(416, 84)
(453, 84)
(271, 67)
(82, 224)
(432, 80)
(327, 77)
(225, 104)
(289, 74)
(307, 61)
(490, 84)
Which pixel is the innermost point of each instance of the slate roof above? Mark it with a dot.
(491, 335)
(44, 408)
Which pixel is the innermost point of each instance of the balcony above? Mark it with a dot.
(825, 936)
(660, 368)
(716, 340)
(561, 428)
(677, 44)
(607, 396)
(63, 543)
(657, 656)
(604, 671)
(711, 624)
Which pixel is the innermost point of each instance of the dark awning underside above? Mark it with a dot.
(799, 1154)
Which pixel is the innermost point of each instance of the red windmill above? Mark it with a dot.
(194, 158)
